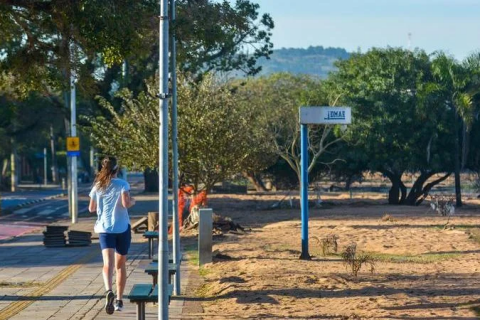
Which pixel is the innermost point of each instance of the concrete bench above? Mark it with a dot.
(142, 293)
(151, 236)
(152, 269)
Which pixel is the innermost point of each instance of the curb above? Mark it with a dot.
(10, 210)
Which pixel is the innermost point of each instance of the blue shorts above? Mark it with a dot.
(118, 241)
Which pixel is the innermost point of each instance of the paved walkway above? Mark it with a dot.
(43, 283)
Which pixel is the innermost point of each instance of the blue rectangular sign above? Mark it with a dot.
(73, 153)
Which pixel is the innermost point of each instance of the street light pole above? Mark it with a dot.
(176, 226)
(73, 132)
(163, 165)
(45, 166)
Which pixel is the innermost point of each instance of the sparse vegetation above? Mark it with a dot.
(327, 244)
(387, 217)
(19, 284)
(443, 205)
(422, 258)
(191, 252)
(354, 260)
(474, 234)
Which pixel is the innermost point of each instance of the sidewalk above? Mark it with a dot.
(43, 283)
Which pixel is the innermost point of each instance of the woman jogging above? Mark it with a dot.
(110, 198)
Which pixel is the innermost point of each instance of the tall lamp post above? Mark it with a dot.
(176, 227)
(163, 165)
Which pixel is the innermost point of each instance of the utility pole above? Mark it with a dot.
(176, 227)
(163, 164)
(73, 132)
(54, 159)
(92, 163)
(13, 167)
(45, 166)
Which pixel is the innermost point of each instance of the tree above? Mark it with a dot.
(219, 36)
(458, 84)
(43, 41)
(279, 97)
(215, 137)
(25, 129)
(397, 130)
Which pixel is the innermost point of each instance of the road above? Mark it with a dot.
(14, 199)
(38, 215)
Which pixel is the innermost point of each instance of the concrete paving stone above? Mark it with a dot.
(175, 310)
(92, 313)
(81, 295)
(6, 274)
(31, 315)
(177, 303)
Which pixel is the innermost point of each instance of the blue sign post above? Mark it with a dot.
(304, 189)
(314, 115)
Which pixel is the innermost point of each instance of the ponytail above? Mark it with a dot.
(108, 170)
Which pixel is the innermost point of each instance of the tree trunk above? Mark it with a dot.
(429, 187)
(465, 145)
(458, 188)
(398, 191)
(349, 182)
(151, 180)
(417, 188)
(255, 180)
(394, 192)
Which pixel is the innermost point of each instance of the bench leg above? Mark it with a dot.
(150, 248)
(140, 310)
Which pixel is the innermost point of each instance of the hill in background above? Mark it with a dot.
(316, 61)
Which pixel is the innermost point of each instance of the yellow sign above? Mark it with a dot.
(73, 144)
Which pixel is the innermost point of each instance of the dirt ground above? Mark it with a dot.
(422, 271)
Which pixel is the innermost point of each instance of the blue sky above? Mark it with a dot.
(449, 25)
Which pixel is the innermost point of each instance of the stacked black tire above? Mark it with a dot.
(54, 236)
(79, 238)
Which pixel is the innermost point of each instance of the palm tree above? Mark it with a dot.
(458, 82)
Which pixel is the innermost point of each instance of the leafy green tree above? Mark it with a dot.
(222, 36)
(278, 98)
(41, 42)
(396, 123)
(25, 128)
(215, 136)
(458, 85)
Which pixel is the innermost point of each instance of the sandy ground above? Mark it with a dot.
(423, 271)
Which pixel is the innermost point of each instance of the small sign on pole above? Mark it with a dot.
(325, 115)
(73, 146)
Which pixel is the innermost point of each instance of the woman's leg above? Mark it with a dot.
(121, 274)
(122, 247)
(108, 264)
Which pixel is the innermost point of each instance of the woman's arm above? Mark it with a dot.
(127, 201)
(92, 207)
